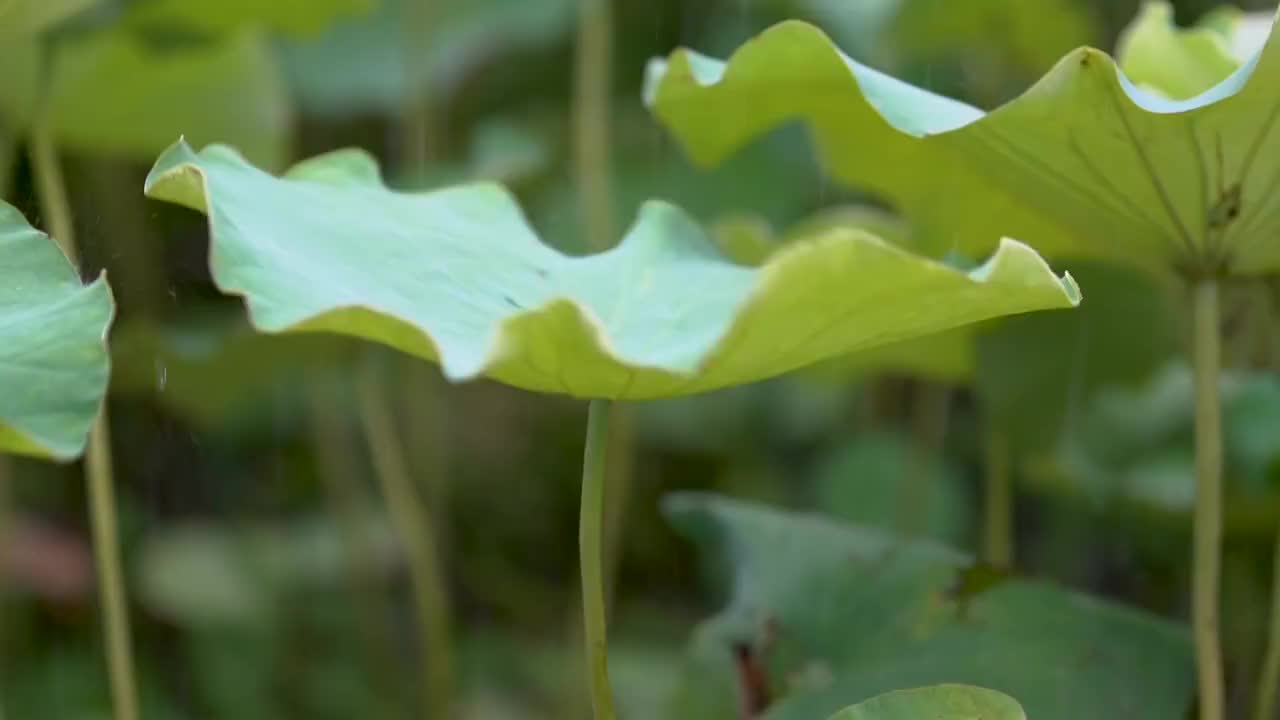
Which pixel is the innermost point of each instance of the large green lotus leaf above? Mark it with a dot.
(836, 614)
(941, 702)
(1083, 163)
(53, 354)
(946, 356)
(458, 276)
(293, 16)
(364, 64)
(28, 17)
(112, 93)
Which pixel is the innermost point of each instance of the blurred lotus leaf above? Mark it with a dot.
(205, 575)
(28, 17)
(1082, 164)
(214, 371)
(940, 702)
(113, 93)
(53, 352)
(828, 614)
(1135, 445)
(293, 16)
(458, 276)
(862, 482)
(1035, 374)
(373, 62)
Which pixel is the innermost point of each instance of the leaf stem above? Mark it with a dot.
(340, 473)
(929, 409)
(592, 74)
(413, 525)
(419, 132)
(998, 547)
(1207, 544)
(106, 549)
(56, 209)
(7, 156)
(1269, 681)
(51, 188)
(590, 544)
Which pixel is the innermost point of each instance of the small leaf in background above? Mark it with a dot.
(942, 702)
(458, 276)
(53, 354)
(1179, 63)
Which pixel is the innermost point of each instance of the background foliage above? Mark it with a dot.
(244, 474)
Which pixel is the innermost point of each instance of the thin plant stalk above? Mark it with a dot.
(591, 557)
(340, 472)
(929, 419)
(106, 550)
(420, 133)
(412, 522)
(7, 158)
(998, 521)
(592, 74)
(1206, 557)
(592, 158)
(56, 209)
(1269, 681)
(6, 478)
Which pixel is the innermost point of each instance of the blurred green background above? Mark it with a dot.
(266, 581)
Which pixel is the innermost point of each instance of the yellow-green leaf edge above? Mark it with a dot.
(663, 314)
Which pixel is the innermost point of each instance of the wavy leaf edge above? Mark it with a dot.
(21, 441)
(686, 70)
(178, 178)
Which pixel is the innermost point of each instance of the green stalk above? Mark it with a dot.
(412, 523)
(51, 188)
(998, 545)
(419, 132)
(56, 209)
(931, 403)
(592, 73)
(593, 176)
(6, 478)
(1207, 551)
(1269, 682)
(340, 472)
(106, 549)
(590, 545)
(7, 156)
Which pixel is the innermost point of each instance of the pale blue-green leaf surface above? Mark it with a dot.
(53, 355)
(459, 277)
